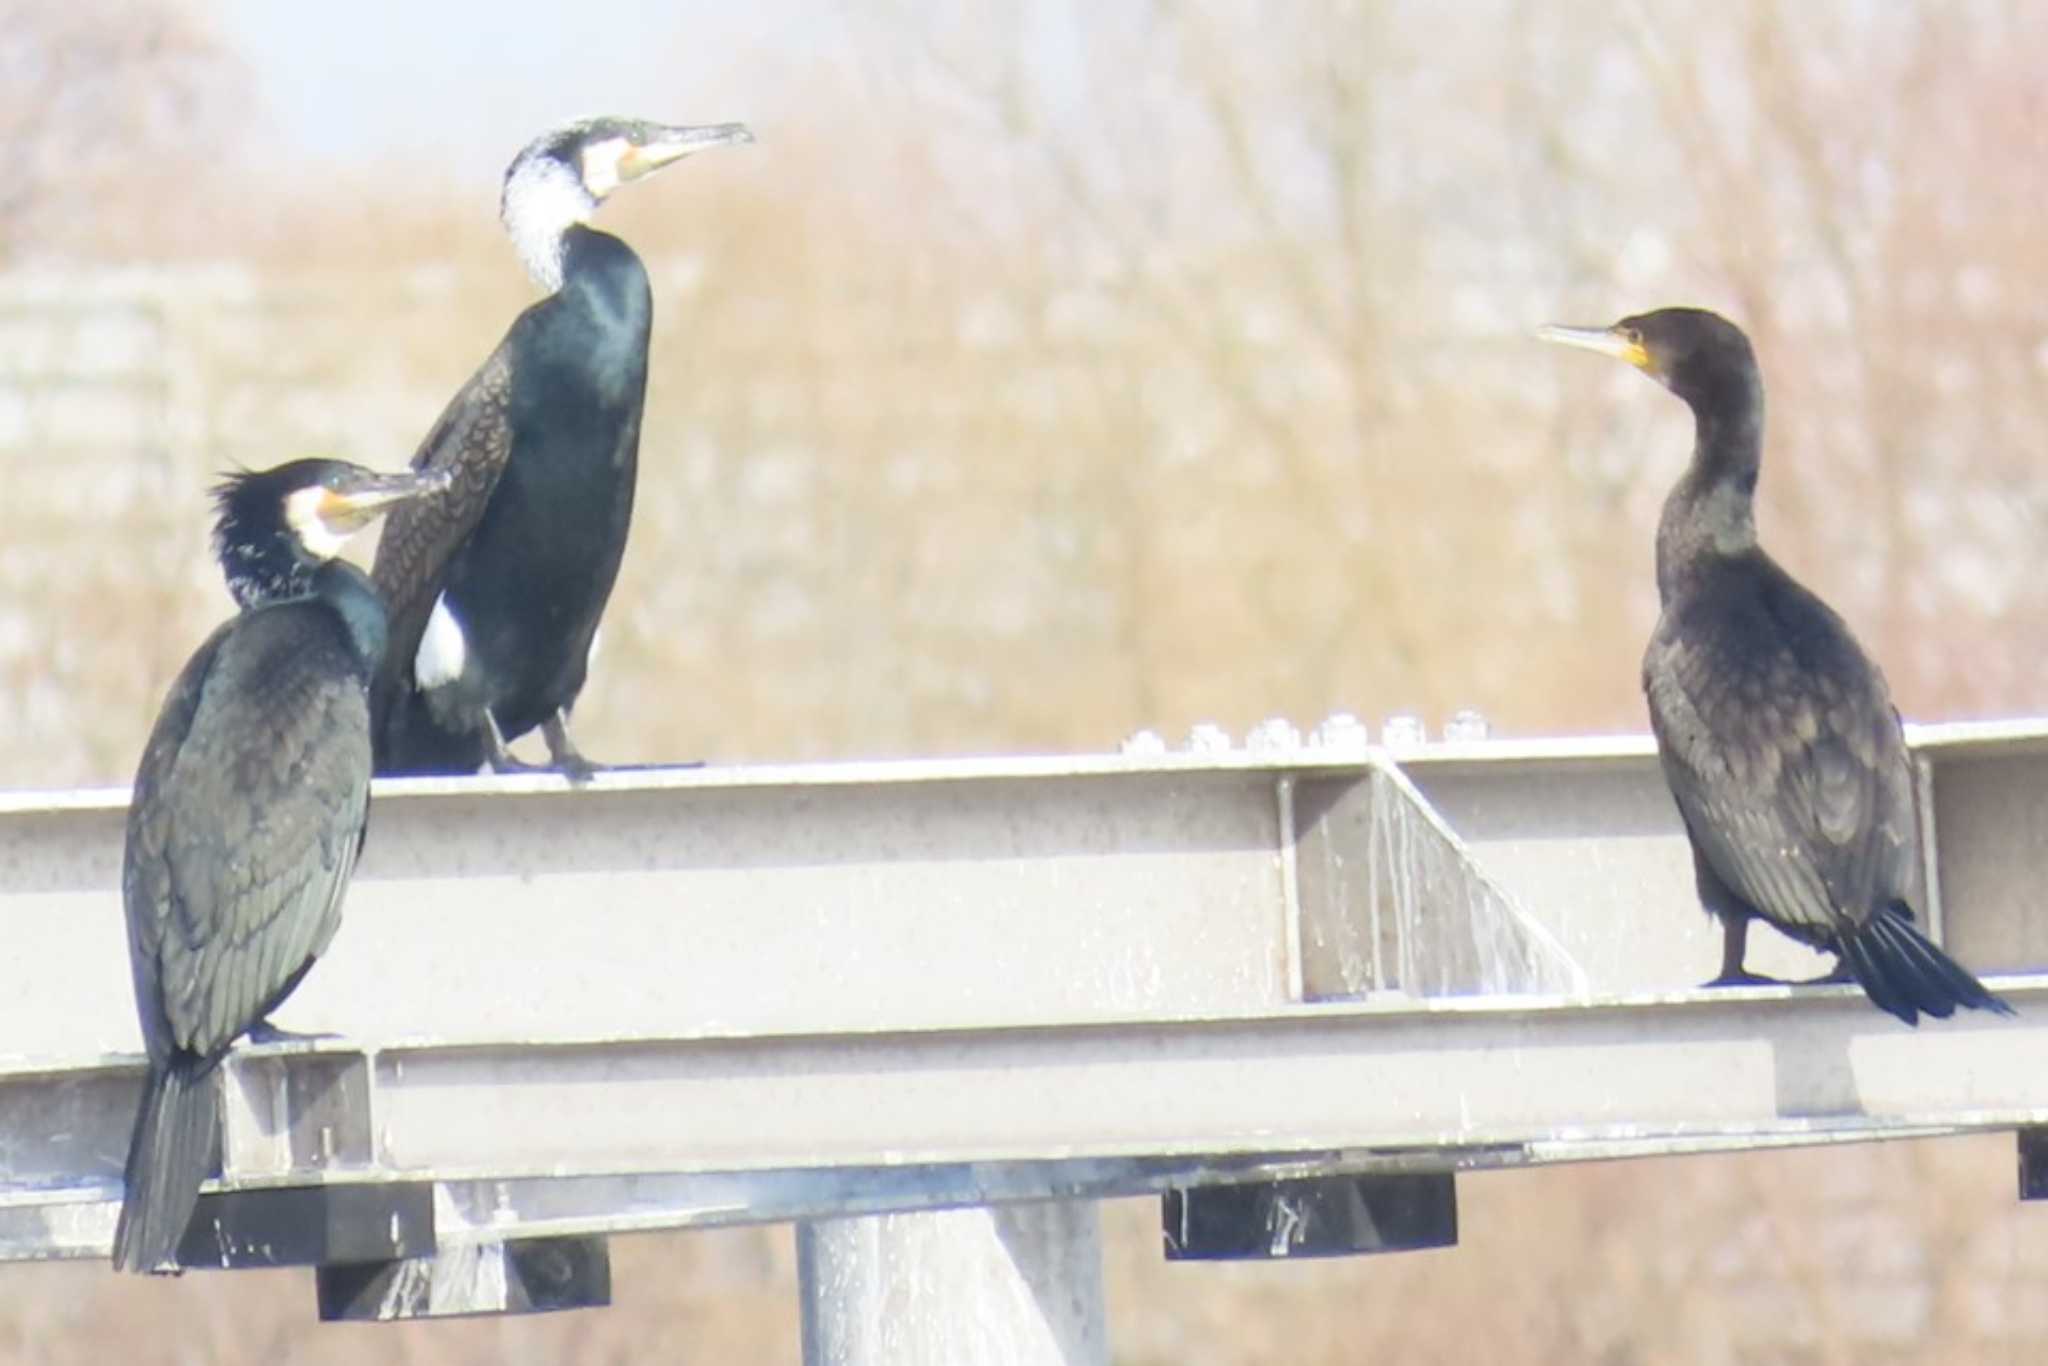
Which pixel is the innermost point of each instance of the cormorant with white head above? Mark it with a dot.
(496, 590)
(248, 810)
(1777, 734)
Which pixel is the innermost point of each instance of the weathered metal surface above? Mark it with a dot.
(1541, 1078)
(1584, 835)
(1013, 1285)
(532, 1276)
(1391, 901)
(696, 997)
(309, 1226)
(1313, 1216)
(819, 898)
(2032, 1145)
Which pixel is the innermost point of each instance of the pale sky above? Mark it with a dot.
(471, 82)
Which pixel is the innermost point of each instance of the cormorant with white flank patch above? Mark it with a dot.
(248, 811)
(1777, 734)
(497, 589)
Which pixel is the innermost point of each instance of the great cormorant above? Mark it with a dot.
(496, 590)
(248, 811)
(1778, 737)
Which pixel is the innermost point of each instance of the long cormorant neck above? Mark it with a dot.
(608, 282)
(262, 564)
(354, 598)
(1711, 512)
(543, 199)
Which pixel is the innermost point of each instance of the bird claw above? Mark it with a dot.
(577, 769)
(573, 766)
(563, 756)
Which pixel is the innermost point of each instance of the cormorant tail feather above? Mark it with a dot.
(168, 1157)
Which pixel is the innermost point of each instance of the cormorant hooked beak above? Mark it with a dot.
(359, 503)
(1622, 343)
(664, 144)
(323, 516)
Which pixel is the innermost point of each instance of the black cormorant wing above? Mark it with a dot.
(472, 440)
(247, 817)
(1783, 751)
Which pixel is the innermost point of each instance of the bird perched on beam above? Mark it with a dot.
(248, 811)
(1777, 734)
(496, 590)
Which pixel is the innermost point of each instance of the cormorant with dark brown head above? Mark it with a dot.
(1777, 733)
(247, 813)
(496, 590)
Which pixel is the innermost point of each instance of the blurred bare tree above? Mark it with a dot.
(1072, 370)
(101, 93)
(1323, 228)
(1864, 186)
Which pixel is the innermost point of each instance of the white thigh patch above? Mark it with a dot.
(442, 651)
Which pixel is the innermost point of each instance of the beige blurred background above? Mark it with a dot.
(1049, 371)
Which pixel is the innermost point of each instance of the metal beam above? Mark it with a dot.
(710, 996)
(1534, 1077)
(810, 899)
(531, 1276)
(1584, 834)
(1311, 1216)
(310, 1226)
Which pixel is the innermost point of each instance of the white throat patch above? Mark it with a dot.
(302, 515)
(443, 652)
(543, 199)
